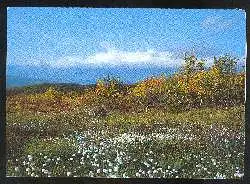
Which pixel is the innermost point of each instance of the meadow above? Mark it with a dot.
(187, 125)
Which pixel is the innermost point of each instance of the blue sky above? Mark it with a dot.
(68, 37)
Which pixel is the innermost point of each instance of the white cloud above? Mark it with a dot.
(216, 23)
(117, 57)
(114, 57)
(67, 61)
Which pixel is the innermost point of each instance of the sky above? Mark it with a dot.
(77, 37)
(66, 36)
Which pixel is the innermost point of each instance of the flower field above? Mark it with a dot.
(170, 149)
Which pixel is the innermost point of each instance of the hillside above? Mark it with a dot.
(17, 81)
(188, 125)
(43, 87)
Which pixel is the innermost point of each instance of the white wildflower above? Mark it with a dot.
(91, 173)
(137, 174)
(110, 164)
(155, 171)
(17, 169)
(29, 157)
(32, 175)
(116, 168)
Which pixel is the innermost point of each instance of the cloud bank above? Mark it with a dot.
(120, 58)
(116, 58)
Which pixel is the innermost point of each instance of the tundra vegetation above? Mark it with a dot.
(187, 125)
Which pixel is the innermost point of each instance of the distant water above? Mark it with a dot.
(21, 76)
(17, 81)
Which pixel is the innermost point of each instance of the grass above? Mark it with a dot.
(200, 143)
